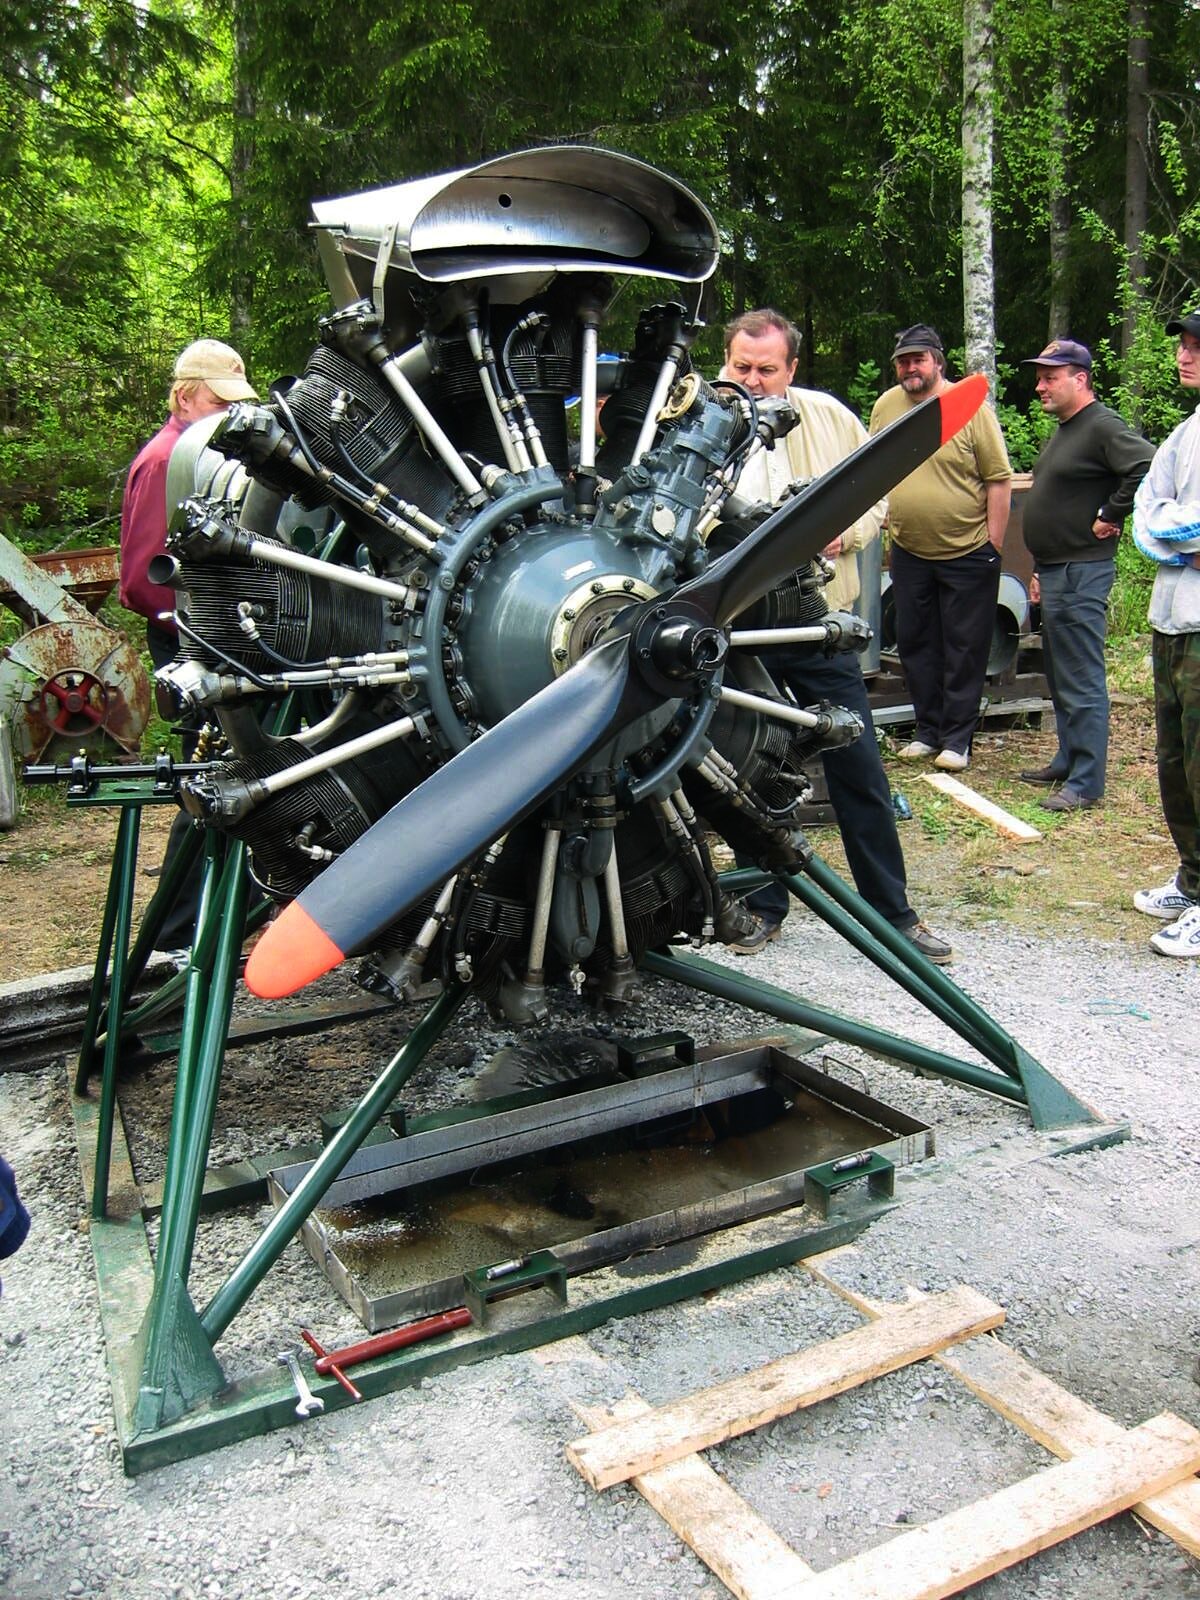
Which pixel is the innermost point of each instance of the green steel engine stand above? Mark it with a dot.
(171, 1396)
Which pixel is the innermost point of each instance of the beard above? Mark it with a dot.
(919, 382)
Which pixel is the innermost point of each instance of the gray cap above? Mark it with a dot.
(912, 341)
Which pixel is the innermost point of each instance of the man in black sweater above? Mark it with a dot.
(1083, 486)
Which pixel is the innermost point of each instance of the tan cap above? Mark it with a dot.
(219, 366)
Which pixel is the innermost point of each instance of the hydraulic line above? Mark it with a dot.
(475, 345)
(536, 322)
(541, 909)
(458, 469)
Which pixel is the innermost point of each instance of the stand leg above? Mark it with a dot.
(178, 1366)
(711, 978)
(269, 1246)
(1051, 1104)
(120, 885)
(124, 866)
(196, 979)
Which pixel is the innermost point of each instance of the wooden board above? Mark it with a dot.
(697, 1421)
(733, 1541)
(944, 1557)
(1052, 1415)
(995, 816)
(1066, 1425)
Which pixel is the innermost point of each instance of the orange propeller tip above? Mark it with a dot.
(293, 951)
(960, 403)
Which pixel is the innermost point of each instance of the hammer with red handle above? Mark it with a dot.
(333, 1361)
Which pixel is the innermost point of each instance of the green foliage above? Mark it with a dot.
(1026, 428)
(1129, 602)
(161, 161)
(1128, 663)
(1142, 385)
(864, 389)
(94, 282)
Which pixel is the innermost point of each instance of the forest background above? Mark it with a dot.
(1009, 170)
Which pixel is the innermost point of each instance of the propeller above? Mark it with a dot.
(664, 650)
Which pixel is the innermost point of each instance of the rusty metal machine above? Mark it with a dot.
(69, 682)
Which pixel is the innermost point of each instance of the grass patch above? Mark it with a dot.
(1128, 663)
(1080, 875)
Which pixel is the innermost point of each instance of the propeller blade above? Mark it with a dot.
(453, 815)
(803, 526)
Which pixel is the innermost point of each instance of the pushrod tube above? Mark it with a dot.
(432, 429)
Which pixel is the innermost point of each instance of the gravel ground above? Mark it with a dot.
(460, 1487)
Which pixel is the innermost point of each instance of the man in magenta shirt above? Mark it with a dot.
(209, 376)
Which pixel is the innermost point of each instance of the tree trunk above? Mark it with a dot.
(245, 107)
(1058, 323)
(978, 117)
(1137, 137)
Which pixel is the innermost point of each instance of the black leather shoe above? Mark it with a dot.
(928, 943)
(758, 938)
(1044, 776)
(1067, 800)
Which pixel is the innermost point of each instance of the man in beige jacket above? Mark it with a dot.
(761, 349)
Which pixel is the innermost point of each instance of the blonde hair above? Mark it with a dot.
(183, 389)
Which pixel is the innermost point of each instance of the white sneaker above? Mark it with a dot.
(916, 751)
(1182, 938)
(953, 761)
(1169, 902)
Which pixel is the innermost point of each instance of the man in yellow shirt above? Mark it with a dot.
(947, 522)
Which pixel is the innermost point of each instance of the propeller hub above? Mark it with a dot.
(675, 644)
(685, 649)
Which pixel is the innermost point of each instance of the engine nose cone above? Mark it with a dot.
(536, 607)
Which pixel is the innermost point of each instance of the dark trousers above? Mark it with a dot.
(858, 787)
(1177, 719)
(945, 614)
(1074, 624)
(179, 929)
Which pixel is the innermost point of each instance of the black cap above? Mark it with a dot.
(1062, 353)
(919, 337)
(1189, 322)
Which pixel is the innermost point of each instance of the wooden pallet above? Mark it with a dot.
(1104, 1469)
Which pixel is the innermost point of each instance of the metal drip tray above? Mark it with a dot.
(616, 1164)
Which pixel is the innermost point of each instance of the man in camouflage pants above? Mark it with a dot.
(1166, 527)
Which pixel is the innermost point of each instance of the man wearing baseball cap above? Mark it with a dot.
(947, 522)
(208, 377)
(1083, 486)
(1166, 527)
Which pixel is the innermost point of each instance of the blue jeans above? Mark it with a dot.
(1074, 623)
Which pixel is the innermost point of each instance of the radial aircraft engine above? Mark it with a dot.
(525, 664)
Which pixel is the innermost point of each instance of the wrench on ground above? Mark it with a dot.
(308, 1401)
